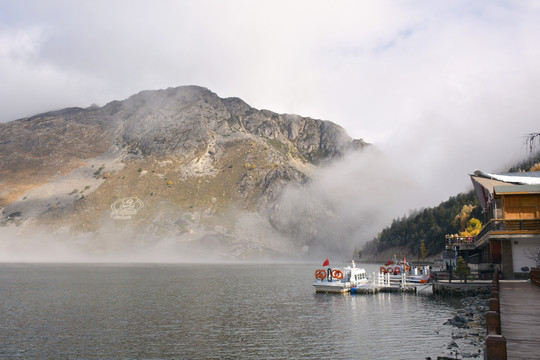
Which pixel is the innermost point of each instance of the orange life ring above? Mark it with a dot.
(320, 274)
(382, 269)
(390, 270)
(338, 274)
(397, 270)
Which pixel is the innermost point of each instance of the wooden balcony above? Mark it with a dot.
(484, 259)
(509, 227)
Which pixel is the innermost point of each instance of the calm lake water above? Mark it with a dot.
(211, 312)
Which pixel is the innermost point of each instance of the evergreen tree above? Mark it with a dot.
(431, 225)
(424, 249)
(462, 269)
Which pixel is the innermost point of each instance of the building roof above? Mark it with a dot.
(484, 188)
(516, 189)
(485, 183)
(524, 178)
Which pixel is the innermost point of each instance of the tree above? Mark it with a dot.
(424, 250)
(462, 269)
(462, 219)
(533, 254)
(472, 229)
(530, 141)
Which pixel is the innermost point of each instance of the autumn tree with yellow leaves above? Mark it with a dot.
(469, 226)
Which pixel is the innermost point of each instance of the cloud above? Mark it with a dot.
(346, 203)
(446, 87)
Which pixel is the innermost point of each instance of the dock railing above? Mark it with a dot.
(385, 280)
(495, 342)
(474, 274)
(382, 280)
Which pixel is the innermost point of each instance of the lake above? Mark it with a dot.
(220, 311)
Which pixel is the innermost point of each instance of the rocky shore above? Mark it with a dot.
(467, 340)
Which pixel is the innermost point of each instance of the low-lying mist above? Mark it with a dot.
(345, 204)
(183, 238)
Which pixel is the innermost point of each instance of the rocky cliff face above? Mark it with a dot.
(206, 170)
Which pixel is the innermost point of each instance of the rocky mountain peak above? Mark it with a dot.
(184, 148)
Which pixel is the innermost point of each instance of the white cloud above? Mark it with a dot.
(445, 86)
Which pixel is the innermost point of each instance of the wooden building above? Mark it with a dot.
(511, 233)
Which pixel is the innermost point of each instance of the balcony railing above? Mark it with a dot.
(484, 259)
(463, 242)
(521, 226)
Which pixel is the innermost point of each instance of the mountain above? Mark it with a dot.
(180, 164)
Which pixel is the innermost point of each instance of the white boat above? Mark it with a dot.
(339, 280)
(397, 269)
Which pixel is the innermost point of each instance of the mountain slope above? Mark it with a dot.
(405, 236)
(201, 167)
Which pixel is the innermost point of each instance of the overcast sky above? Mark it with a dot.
(441, 87)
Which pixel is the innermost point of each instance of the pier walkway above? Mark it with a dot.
(520, 319)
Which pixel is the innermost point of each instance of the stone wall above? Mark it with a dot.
(460, 289)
